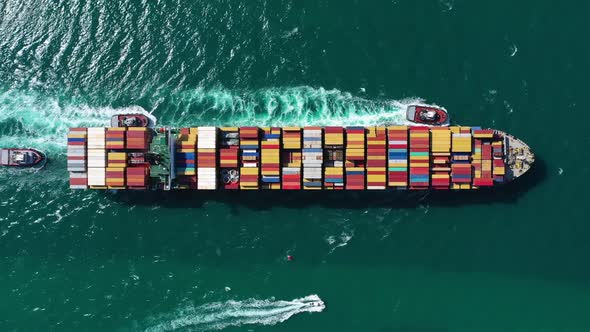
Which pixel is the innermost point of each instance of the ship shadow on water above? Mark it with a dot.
(264, 200)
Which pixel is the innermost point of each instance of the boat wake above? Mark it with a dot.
(297, 106)
(35, 121)
(30, 119)
(220, 315)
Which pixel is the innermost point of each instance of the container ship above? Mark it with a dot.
(134, 154)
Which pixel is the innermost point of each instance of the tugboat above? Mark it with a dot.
(140, 119)
(22, 158)
(428, 115)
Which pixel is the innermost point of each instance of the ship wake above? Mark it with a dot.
(220, 315)
(32, 119)
(295, 106)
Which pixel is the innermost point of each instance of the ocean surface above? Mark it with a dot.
(515, 259)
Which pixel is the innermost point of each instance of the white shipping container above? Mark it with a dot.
(96, 157)
(76, 153)
(96, 176)
(78, 175)
(312, 173)
(206, 145)
(97, 152)
(206, 129)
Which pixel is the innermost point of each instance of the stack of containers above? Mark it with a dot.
(355, 158)
(185, 158)
(96, 158)
(499, 168)
(117, 159)
(461, 168)
(397, 159)
(206, 158)
(77, 139)
(291, 158)
(486, 166)
(376, 158)
(440, 157)
(312, 158)
(138, 138)
(483, 133)
(78, 180)
(270, 159)
(334, 158)
(419, 157)
(249, 144)
(228, 157)
(115, 138)
(137, 177)
(115, 177)
(461, 174)
(476, 160)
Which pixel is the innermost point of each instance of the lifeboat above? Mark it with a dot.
(428, 115)
(22, 158)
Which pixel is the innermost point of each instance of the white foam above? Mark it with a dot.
(219, 315)
(44, 121)
(297, 106)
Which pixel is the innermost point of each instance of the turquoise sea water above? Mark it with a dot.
(510, 260)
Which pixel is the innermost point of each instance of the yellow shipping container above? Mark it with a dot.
(334, 171)
(117, 156)
(499, 170)
(398, 165)
(249, 170)
(398, 184)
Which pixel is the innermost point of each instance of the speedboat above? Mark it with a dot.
(15, 157)
(428, 115)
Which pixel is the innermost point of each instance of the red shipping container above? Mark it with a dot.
(456, 180)
(78, 181)
(419, 170)
(483, 182)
